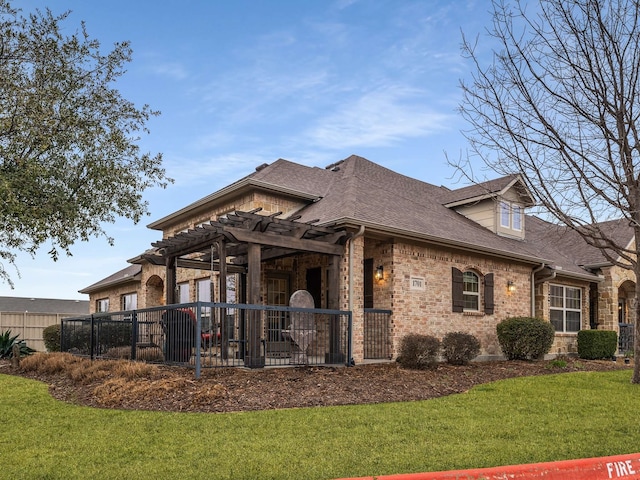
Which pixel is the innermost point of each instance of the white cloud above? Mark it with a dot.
(214, 171)
(378, 119)
(175, 71)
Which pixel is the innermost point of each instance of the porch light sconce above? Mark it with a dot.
(379, 273)
(511, 287)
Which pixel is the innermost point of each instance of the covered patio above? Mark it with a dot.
(242, 243)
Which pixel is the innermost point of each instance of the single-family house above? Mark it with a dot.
(363, 238)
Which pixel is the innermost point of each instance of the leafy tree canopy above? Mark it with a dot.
(69, 161)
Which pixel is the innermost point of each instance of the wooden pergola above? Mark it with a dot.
(239, 242)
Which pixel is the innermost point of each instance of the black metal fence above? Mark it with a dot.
(377, 334)
(625, 338)
(203, 335)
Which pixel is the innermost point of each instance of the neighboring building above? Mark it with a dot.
(359, 236)
(27, 317)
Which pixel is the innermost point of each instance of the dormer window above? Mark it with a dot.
(511, 216)
(516, 217)
(505, 215)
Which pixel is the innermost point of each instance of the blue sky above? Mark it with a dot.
(240, 83)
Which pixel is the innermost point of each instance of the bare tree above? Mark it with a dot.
(559, 104)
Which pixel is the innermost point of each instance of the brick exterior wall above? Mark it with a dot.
(114, 294)
(428, 310)
(417, 284)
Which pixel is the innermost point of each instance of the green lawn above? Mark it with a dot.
(531, 419)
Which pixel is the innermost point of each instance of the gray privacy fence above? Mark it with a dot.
(202, 335)
(29, 326)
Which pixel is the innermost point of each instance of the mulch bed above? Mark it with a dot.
(239, 389)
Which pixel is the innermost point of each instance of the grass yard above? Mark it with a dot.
(523, 420)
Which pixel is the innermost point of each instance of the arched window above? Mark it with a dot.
(471, 291)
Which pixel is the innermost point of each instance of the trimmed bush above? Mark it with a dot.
(418, 351)
(525, 338)
(597, 344)
(51, 337)
(459, 348)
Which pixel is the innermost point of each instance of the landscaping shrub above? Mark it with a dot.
(418, 351)
(597, 344)
(77, 338)
(7, 342)
(51, 337)
(107, 334)
(459, 348)
(525, 338)
(114, 333)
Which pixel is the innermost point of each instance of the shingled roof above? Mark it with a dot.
(356, 192)
(126, 275)
(360, 192)
(44, 305)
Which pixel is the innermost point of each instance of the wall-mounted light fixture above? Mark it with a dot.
(379, 273)
(511, 287)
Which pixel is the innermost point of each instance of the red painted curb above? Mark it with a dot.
(618, 466)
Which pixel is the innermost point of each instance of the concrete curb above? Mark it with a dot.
(618, 466)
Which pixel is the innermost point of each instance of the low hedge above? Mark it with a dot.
(597, 344)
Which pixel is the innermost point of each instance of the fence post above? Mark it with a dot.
(62, 347)
(92, 339)
(134, 334)
(198, 339)
(350, 361)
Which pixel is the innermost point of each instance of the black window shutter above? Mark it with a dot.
(488, 294)
(457, 291)
(368, 283)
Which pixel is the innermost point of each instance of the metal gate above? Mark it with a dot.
(377, 333)
(625, 337)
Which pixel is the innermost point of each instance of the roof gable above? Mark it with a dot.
(490, 189)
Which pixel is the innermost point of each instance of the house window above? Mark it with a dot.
(516, 216)
(203, 293)
(102, 305)
(277, 294)
(471, 291)
(510, 216)
(183, 292)
(565, 308)
(505, 215)
(466, 289)
(204, 290)
(129, 301)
